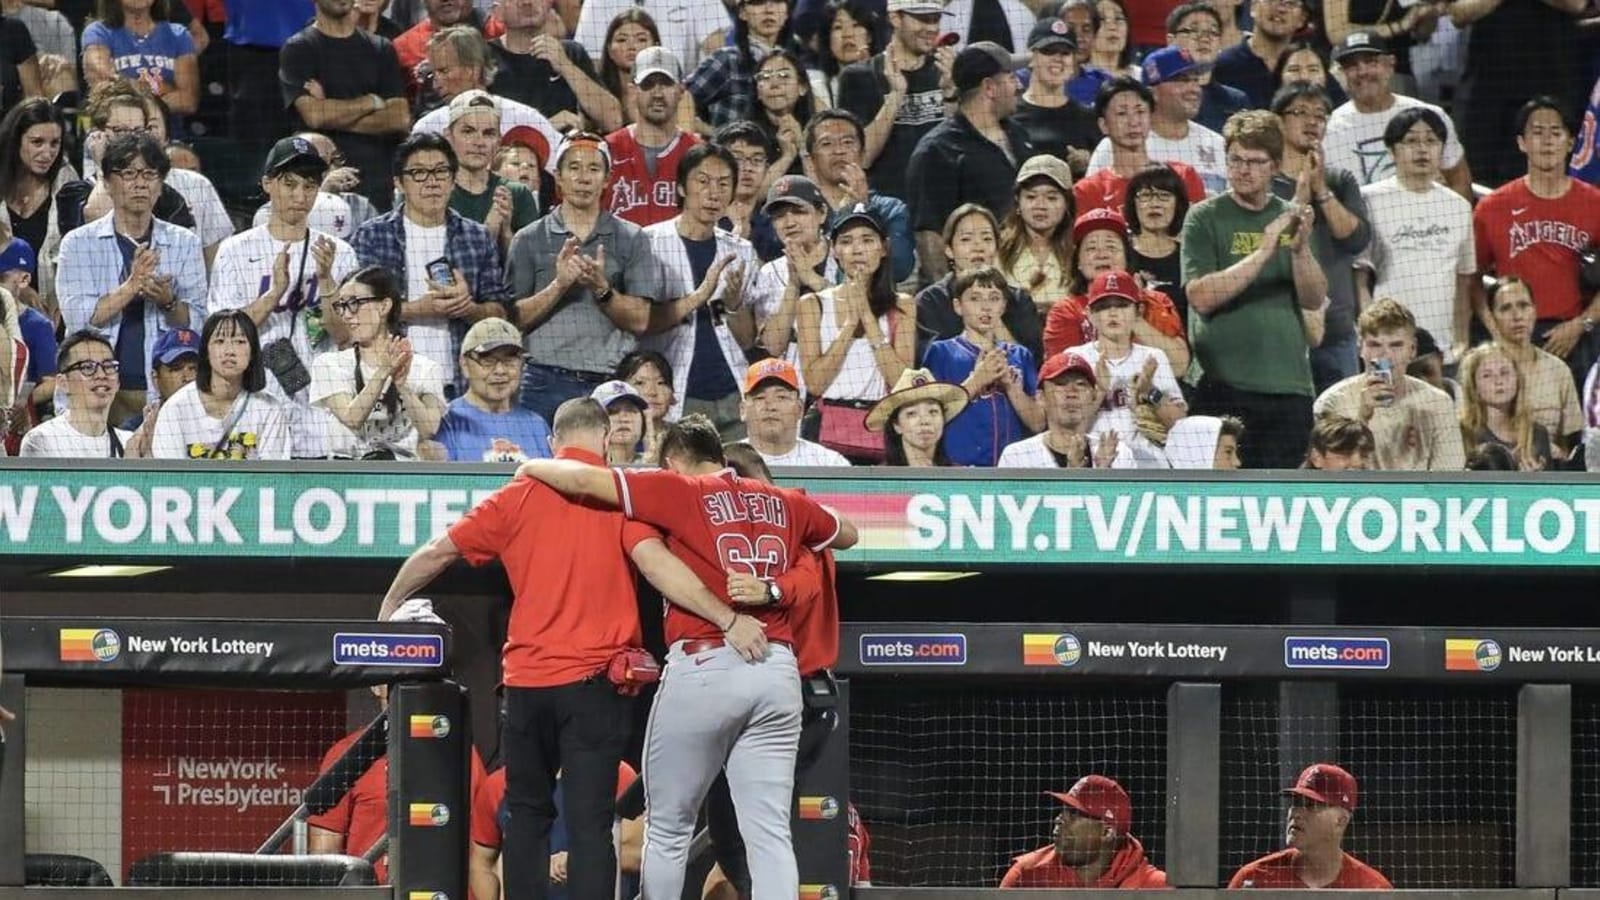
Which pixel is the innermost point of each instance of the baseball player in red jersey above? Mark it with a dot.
(645, 155)
(1092, 848)
(718, 705)
(1322, 802)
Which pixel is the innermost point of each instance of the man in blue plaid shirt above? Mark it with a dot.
(422, 239)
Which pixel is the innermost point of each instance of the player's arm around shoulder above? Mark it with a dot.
(573, 479)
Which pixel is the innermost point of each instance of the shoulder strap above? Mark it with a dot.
(240, 403)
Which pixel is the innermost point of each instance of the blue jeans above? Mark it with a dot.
(544, 388)
(1334, 361)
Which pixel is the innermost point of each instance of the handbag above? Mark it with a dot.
(631, 668)
(844, 428)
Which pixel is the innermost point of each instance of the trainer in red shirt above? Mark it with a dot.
(489, 811)
(1536, 226)
(1323, 800)
(573, 609)
(1092, 848)
(361, 816)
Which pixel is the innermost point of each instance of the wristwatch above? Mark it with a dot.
(605, 296)
(1152, 398)
(1588, 324)
(774, 593)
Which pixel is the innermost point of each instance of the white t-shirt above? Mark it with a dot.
(1421, 240)
(1201, 149)
(1116, 411)
(241, 273)
(57, 439)
(335, 373)
(805, 453)
(1354, 139)
(512, 115)
(184, 430)
(429, 337)
(210, 217)
(330, 214)
(1033, 453)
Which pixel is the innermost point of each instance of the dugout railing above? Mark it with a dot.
(1464, 741)
(427, 766)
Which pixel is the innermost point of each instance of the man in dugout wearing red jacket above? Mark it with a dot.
(1093, 847)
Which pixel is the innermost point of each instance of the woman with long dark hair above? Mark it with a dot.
(972, 239)
(1112, 47)
(224, 413)
(851, 31)
(651, 375)
(33, 169)
(783, 107)
(1036, 236)
(631, 31)
(384, 398)
(133, 40)
(723, 85)
(857, 338)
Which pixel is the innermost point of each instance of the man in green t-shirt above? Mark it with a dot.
(1250, 272)
(502, 206)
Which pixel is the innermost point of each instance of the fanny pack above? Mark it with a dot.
(631, 669)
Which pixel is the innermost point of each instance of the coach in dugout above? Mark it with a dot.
(1322, 802)
(1092, 848)
(573, 617)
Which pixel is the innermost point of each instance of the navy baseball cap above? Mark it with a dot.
(173, 345)
(17, 254)
(294, 153)
(1051, 33)
(980, 60)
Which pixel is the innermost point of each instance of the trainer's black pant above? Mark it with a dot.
(580, 730)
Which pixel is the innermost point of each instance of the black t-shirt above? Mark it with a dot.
(1053, 129)
(16, 48)
(528, 79)
(1165, 274)
(956, 164)
(861, 90)
(346, 68)
(32, 229)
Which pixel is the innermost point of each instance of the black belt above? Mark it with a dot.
(849, 404)
(590, 377)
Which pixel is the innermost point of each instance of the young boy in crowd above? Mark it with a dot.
(1001, 377)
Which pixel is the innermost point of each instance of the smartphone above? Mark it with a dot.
(441, 272)
(1384, 369)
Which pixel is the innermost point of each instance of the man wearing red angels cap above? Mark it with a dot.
(1092, 847)
(1322, 802)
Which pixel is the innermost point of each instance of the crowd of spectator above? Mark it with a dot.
(1017, 233)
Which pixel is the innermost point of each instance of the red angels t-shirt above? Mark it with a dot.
(1105, 189)
(574, 605)
(491, 793)
(1277, 872)
(719, 522)
(1539, 240)
(362, 814)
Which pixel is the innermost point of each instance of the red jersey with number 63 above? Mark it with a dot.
(721, 522)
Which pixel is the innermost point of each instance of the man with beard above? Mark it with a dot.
(1248, 65)
(1321, 804)
(1093, 847)
(348, 85)
(585, 280)
(1071, 399)
(645, 155)
(1355, 130)
(970, 158)
(485, 424)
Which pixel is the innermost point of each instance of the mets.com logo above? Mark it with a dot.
(913, 649)
(421, 650)
(1336, 653)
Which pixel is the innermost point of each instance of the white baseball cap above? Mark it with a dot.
(657, 61)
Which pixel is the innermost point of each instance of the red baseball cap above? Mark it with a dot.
(1065, 363)
(1326, 783)
(1115, 283)
(1096, 219)
(531, 138)
(1098, 797)
(766, 370)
